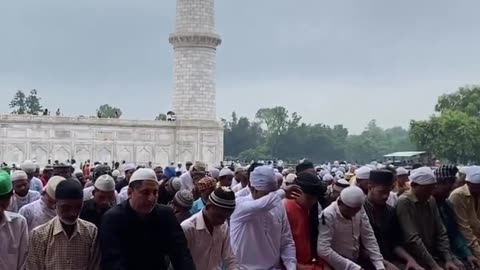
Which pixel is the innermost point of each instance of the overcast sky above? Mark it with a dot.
(335, 62)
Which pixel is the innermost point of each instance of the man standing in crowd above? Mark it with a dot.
(139, 233)
(402, 183)
(208, 234)
(383, 220)
(65, 242)
(260, 232)
(128, 170)
(361, 178)
(302, 215)
(466, 201)
(343, 225)
(30, 169)
(205, 186)
(63, 170)
(225, 178)
(13, 230)
(47, 173)
(446, 176)
(241, 177)
(197, 172)
(159, 173)
(43, 210)
(182, 204)
(424, 235)
(22, 193)
(103, 200)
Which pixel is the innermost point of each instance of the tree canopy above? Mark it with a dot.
(22, 104)
(276, 133)
(107, 111)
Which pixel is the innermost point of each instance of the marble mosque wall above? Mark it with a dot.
(42, 138)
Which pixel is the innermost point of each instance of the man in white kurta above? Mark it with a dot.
(13, 230)
(22, 193)
(41, 211)
(259, 228)
(340, 236)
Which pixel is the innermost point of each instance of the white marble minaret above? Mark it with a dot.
(195, 43)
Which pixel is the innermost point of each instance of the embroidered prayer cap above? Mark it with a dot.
(223, 197)
(401, 171)
(225, 172)
(5, 183)
(422, 176)
(446, 172)
(105, 183)
(52, 185)
(206, 183)
(263, 179)
(352, 196)
(143, 174)
(19, 175)
(473, 175)
(363, 173)
(184, 198)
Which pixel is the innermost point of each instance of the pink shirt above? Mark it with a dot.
(209, 251)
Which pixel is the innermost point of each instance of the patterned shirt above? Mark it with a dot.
(51, 249)
(37, 213)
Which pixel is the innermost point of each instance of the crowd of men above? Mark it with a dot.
(254, 217)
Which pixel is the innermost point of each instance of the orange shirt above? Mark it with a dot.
(298, 218)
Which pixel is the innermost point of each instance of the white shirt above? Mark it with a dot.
(17, 202)
(14, 241)
(37, 213)
(339, 239)
(123, 195)
(209, 251)
(392, 199)
(243, 192)
(186, 181)
(234, 183)
(237, 187)
(260, 233)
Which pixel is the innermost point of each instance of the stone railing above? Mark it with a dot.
(59, 120)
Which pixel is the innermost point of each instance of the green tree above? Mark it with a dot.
(18, 103)
(466, 99)
(32, 102)
(107, 111)
(161, 117)
(240, 134)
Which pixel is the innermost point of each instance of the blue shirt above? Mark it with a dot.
(197, 206)
(36, 185)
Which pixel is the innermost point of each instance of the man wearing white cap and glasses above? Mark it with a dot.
(43, 210)
(22, 193)
(424, 235)
(337, 245)
(103, 199)
(466, 201)
(139, 233)
(259, 228)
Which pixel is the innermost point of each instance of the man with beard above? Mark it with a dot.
(139, 233)
(22, 193)
(103, 199)
(65, 242)
(43, 210)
